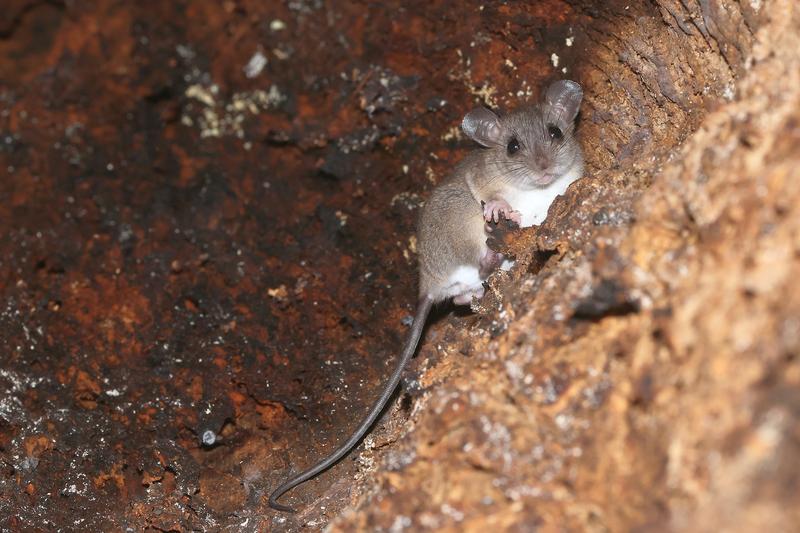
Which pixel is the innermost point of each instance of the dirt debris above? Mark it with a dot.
(207, 219)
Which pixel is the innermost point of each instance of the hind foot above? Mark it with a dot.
(490, 261)
(465, 298)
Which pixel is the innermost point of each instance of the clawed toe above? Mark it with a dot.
(497, 210)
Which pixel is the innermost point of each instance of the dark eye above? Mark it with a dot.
(513, 146)
(555, 133)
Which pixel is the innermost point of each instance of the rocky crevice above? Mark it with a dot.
(207, 226)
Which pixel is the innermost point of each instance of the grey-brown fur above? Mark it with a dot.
(452, 231)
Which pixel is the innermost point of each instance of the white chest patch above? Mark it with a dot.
(465, 279)
(533, 204)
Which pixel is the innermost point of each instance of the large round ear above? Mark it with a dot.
(563, 98)
(483, 127)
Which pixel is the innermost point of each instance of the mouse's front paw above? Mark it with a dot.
(497, 210)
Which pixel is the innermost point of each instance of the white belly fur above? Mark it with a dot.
(533, 204)
(463, 280)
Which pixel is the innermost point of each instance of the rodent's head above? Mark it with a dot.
(533, 146)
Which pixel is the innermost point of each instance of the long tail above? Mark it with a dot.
(423, 308)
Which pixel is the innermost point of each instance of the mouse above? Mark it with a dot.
(527, 158)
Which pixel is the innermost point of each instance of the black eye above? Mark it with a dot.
(513, 146)
(555, 133)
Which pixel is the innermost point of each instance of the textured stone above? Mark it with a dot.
(175, 260)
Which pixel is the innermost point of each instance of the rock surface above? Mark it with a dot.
(206, 236)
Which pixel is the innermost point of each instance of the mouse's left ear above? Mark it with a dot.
(483, 127)
(564, 97)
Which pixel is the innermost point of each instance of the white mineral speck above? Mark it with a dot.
(255, 65)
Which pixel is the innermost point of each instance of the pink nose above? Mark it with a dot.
(542, 161)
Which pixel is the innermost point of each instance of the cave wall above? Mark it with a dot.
(206, 229)
(645, 377)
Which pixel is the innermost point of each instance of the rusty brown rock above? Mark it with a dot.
(206, 225)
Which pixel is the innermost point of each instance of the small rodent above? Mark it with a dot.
(530, 156)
